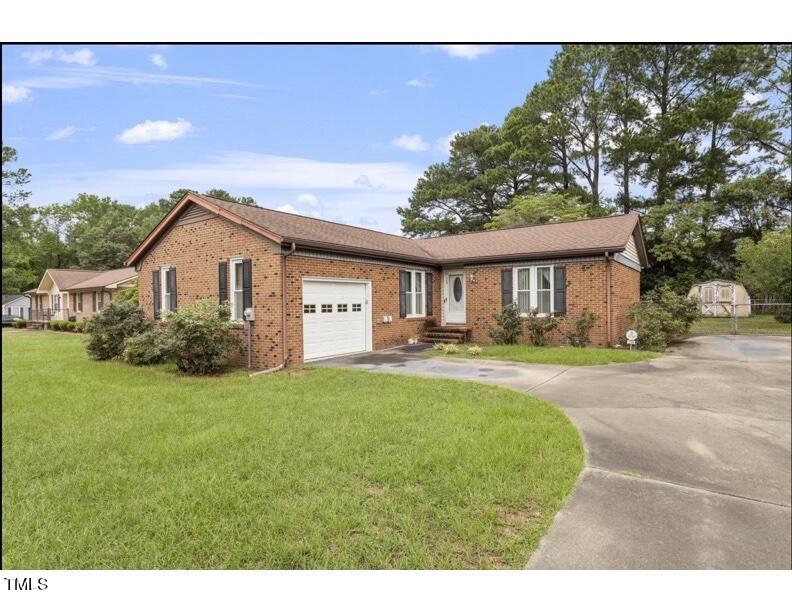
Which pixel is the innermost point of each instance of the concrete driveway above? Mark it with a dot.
(688, 457)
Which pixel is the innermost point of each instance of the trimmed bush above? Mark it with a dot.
(56, 325)
(110, 328)
(509, 326)
(200, 336)
(580, 328)
(19, 323)
(661, 317)
(69, 326)
(79, 326)
(537, 327)
(147, 348)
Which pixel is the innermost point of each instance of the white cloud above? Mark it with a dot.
(83, 57)
(155, 131)
(308, 199)
(159, 61)
(62, 133)
(12, 94)
(362, 181)
(752, 98)
(378, 92)
(288, 208)
(410, 142)
(234, 96)
(469, 52)
(417, 83)
(443, 144)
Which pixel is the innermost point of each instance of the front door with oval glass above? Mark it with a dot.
(454, 298)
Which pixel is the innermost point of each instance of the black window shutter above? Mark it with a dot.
(403, 293)
(172, 288)
(429, 293)
(247, 284)
(155, 292)
(559, 289)
(507, 295)
(222, 279)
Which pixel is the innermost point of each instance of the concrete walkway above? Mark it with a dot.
(688, 457)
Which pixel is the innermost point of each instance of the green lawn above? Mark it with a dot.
(764, 325)
(560, 355)
(110, 466)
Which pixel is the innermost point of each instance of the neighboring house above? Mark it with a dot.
(15, 306)
(65, 294)
(318, 289)
(721, 298)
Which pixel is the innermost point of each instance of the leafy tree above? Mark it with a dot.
(14, 179)
(662, 316)
(479, 179)
(539, 209)
(766, 266)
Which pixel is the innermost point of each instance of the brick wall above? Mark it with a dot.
(195, 249)
(385, 299)
(585, 290)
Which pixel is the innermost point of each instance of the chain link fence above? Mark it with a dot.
(770, 318)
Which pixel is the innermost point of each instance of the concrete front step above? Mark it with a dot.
(433, 340)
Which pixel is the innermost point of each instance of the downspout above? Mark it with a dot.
(283, 314)
(608, 298)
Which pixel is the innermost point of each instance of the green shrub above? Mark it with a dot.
(56, 325)
(79, 326)
(110, 328)
(19, 323)
(474, 350)
(439, 346)
(661, 317)
(509, 325)
(69, 326)
(450, 349)
(537, 327)
(783, 314)
(200, 336)
(577, 334)
(147, 348)
(130, 294)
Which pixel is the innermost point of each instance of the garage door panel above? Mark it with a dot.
(344, 328)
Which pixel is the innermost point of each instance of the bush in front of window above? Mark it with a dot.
(150, 347)
(79, 326)
(19, 323)
(110, 328)
(579, 330)
(537, 327)
(509, 325)
(662, 316)
(200, 336)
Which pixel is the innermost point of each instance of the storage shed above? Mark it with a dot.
(721, 298)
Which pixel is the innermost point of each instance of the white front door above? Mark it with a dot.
(336, 318)
(454, 297)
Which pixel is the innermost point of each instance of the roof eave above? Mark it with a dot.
(334, 248)
(194, 198)
(530, 256)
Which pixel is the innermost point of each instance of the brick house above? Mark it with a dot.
(72, 294)
(315, 288)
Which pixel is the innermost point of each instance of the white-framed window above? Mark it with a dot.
(414, 289)
(165, 297)
(533, 289)
(237, 288)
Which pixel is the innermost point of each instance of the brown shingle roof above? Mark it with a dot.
(570, 238)
(103, 279)
(66, 278)
(307, 231)
(587, 235)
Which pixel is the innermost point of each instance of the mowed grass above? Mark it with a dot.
(110, 466)
(763, 325)
(559, 355)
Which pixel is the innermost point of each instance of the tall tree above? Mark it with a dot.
(479, 179)
(579, 76)
(668, 82)
(628, 113)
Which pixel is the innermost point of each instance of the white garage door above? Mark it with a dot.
(335, 318)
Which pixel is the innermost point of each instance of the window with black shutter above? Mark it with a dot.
(559, 290)
(171, 280)
(222, 281)
(507, 296)
(429, 293)
(404, 281)
(155, 292)
(247, 284)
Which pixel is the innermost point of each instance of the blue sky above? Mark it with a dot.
(338, 132)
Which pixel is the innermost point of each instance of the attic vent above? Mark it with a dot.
(194, 213)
